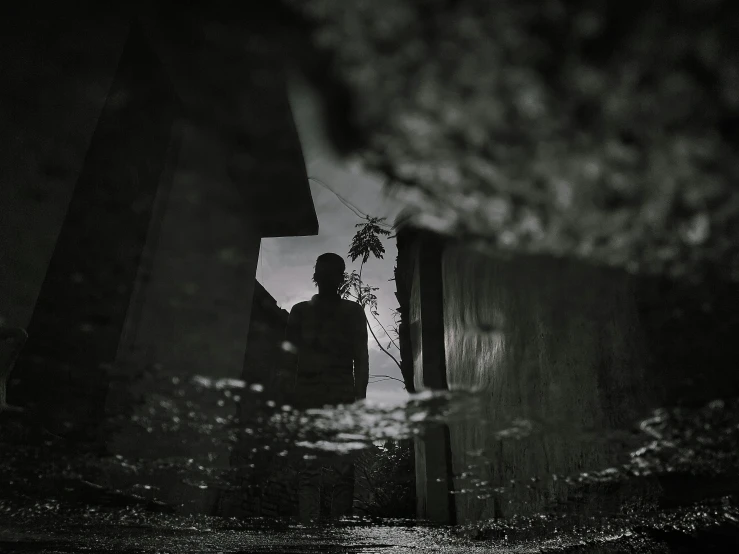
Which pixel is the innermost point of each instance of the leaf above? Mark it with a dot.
(366, 242)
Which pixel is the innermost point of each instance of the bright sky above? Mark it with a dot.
(286, 264)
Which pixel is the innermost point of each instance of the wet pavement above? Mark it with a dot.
(705, 528)
(162, 540)
(52, 499)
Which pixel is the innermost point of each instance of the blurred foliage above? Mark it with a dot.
(592, 129)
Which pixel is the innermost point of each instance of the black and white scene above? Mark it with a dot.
(353, 276)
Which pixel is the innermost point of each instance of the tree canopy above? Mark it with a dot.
(593, 129)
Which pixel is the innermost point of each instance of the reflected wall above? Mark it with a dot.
(570, 357)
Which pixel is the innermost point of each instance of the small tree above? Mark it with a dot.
(386, 474)
(367, 242)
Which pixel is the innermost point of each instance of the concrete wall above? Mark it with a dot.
(546, 341)
(582, 354)
(432, 453)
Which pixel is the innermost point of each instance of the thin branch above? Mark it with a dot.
(359, 285)
(379, 345)
(343, 200)
(386, 377)
(358, 297)
(347, 203)
(386, 332)
(365, 243)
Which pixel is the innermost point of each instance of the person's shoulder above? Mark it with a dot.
(299, 307)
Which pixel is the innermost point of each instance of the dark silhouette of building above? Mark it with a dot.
(146, 162)
(268, 487)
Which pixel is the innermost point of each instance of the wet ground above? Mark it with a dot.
(629, 192)
(706, 528)
(120, 538)
(59, 496)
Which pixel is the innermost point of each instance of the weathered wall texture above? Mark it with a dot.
(414, 320)
(423, 261)
(579, 353)
(548, 341)
(404, 274)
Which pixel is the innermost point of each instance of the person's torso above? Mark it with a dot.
(326, 356)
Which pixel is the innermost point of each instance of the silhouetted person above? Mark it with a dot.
(12, 340)
(332, 367)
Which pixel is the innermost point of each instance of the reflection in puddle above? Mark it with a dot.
(701, 444)
(571, 403)
(542, 437)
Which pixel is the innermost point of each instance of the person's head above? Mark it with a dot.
(329, 271)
